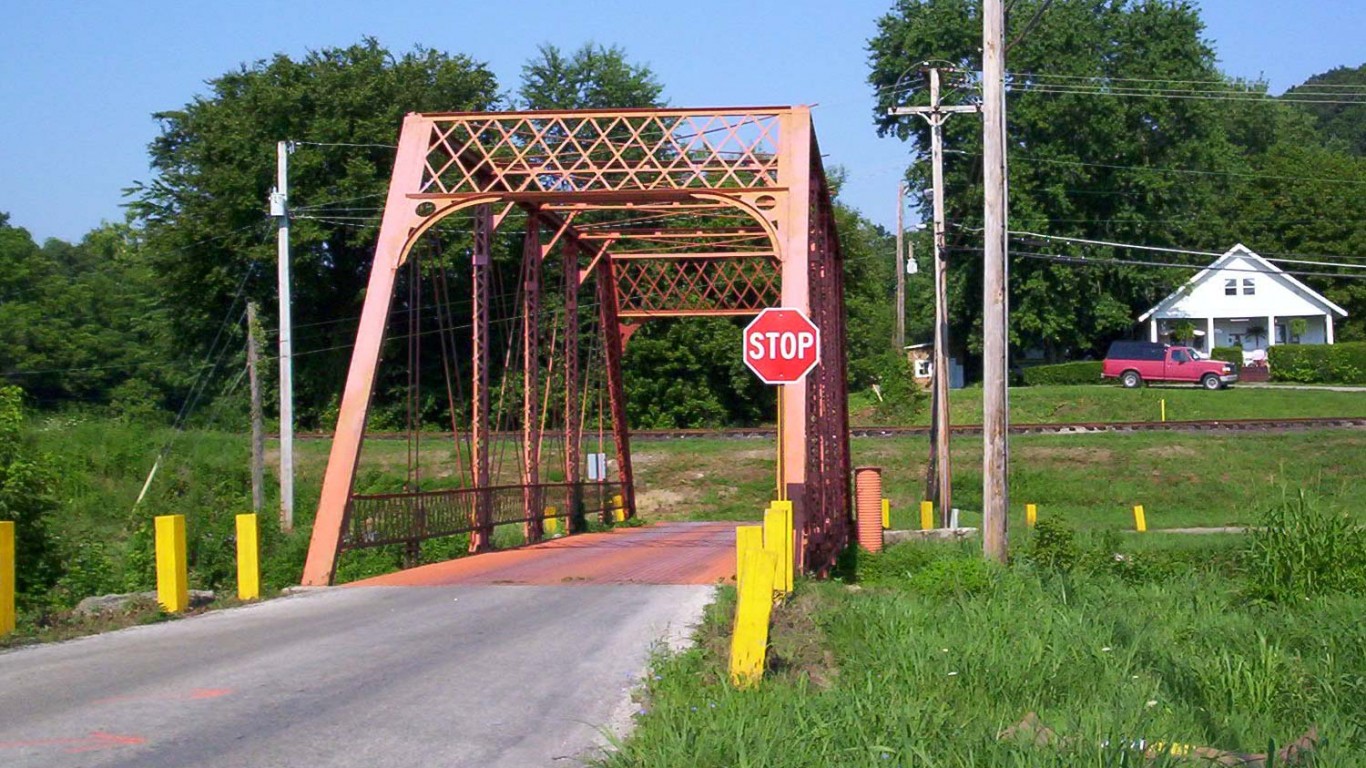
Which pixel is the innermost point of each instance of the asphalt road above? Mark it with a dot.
(360, 676)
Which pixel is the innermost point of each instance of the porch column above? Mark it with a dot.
(1209, 335)
(1152, 330)
(1328, 328)
(1270, 330)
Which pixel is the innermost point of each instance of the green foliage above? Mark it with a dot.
(214, 166)
(689, 373)
(1228, 354)
(898, 399)
(1083, 372)
(1342, 363)
(1053, 545)
(592, 77)
(956, 576)
(1304, 548)
(1339, 121)
(27, 498)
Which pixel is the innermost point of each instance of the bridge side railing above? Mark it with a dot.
(374, 520)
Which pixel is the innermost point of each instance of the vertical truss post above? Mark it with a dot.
(531, 375)
(794, 172)
(616, 389)
(482, 538)
(572, 437)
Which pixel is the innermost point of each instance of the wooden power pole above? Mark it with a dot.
(899, 336)
(940, 480)
(258, 438)
(995, 419)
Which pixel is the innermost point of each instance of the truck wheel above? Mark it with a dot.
(1210, 381)
(1131, 379)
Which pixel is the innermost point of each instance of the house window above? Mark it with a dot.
(1249, 287)
(924, 369)
(1231, 287)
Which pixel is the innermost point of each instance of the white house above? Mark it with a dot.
(1244, 300)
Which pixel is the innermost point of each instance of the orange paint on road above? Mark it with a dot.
(97, 740)
(667, 553)
(194, 694)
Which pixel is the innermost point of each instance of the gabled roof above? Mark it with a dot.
(1242, 251)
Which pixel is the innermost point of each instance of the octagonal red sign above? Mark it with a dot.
(782, 345)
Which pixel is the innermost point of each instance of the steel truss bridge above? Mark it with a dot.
(658, 213)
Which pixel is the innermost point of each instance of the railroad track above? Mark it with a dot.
(742, 433)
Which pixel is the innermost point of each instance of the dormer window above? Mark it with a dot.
(1249, 287)
(1231, 287)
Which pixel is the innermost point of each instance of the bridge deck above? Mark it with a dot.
(667, 553)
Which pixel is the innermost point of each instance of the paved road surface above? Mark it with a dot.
(370, 676)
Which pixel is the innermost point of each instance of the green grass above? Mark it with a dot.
(1091, 481)
(1108, 403)
(933, 653)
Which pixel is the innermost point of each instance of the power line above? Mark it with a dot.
(1185, 251)
(1092, 262)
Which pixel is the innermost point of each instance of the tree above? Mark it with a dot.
(592, 77)
(26, 499)
(1339, 123)
(208, 237)
(1082, 161)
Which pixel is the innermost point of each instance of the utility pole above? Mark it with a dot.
(899, 336)
(995, 419)
(941, 474)
(279, 208)
(258, 440)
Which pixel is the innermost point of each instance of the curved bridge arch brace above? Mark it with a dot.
(672, 213)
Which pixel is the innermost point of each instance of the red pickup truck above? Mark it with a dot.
(1135, 362)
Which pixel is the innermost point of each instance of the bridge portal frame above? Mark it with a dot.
(759, 163)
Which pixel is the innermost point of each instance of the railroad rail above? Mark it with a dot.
(1078, 428)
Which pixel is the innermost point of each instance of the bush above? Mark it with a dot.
(1228, 354)
(1085, 372)
(1319, 363)
(899, 399)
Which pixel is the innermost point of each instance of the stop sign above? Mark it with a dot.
(782, 345)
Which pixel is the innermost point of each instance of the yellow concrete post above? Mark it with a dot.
(550, 524)
(248, 558)
(1031, 515)
(747, 538)
(618, 509)
(1163, 401)
(926, 515)
(788, 552)
(173, 589)
(886, 514)
(8, 572)
(1140, 519)
(754, 605)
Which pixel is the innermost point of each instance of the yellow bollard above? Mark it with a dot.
(1140, 520)
(886, 514)
(1163, 401)
(753, 606)
(248, 558)
(788, 553)
(550, 525)
(747, 538)
(618, 509)
(926, 515)
(1031, 515)
(173, 590)
(7, 575)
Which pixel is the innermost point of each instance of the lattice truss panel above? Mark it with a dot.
(601, 152)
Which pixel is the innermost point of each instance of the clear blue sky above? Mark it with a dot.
(80, 80)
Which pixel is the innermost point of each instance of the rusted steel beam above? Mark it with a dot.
(572, 426)
(481, 538)
(684, 256)
(531, 375)
(616, 388)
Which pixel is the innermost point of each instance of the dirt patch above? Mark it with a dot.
(1065, 455)
(663, 503)
(798, 645)
(1169, 451)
